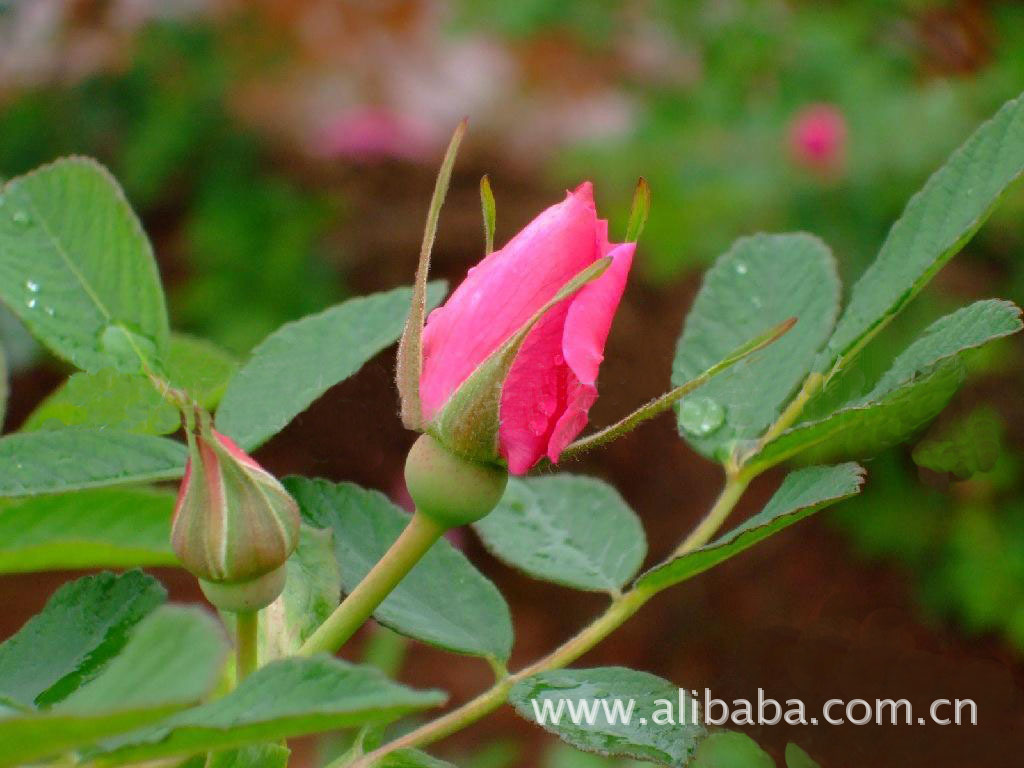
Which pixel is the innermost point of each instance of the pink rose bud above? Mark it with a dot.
(817, 138)
(234, 524)
(551, 383)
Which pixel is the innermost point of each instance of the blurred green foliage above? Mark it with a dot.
(713, 116)
(250, 235)
(963, 546)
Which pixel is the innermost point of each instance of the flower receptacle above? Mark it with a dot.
(245, 596)
(449, 489)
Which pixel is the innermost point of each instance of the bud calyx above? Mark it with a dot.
(234, 524)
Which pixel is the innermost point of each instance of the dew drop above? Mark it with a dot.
(32, 285)
(31, 303)
(701, 415)
(741, 268)
(20, 217)
(50, 311)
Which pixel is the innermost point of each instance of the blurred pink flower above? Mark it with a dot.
(367, 134)
(817, 138)
(551, 384)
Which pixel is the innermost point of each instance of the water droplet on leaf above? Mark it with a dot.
(22, 218)
(701, 415)
(741, 268)
(31, 303)
(32, 285)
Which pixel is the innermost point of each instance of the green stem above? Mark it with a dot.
(621, 609)
(788, 417)
(734, 487)
(246, 660)
(419, 535)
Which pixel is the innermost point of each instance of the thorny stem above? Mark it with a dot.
(418, 537)
(621, 609)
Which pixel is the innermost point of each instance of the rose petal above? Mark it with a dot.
(502, 292)
(534, 395)
(591, 313)
(573, 419)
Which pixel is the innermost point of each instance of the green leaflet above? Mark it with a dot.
(762, 281)
(101, 528)
(83, 626)
(731, 749)
(172, 660)
(967, 328)
(130, 402)
(863, 429)
(412, 758)
(54, 461)
(916, 387)
(936, 223)
(311, 592)
(286, 698)
(797, 758)
(301, 360)
(571, 530)
(261, 756)
(77, 269)
(669, 743)
(964, 447)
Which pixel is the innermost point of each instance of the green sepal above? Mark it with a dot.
(490, 212)
(409, 363)
(639, 211)
(468, 423)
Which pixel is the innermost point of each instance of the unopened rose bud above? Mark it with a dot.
(234, 524)
(491, 403)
